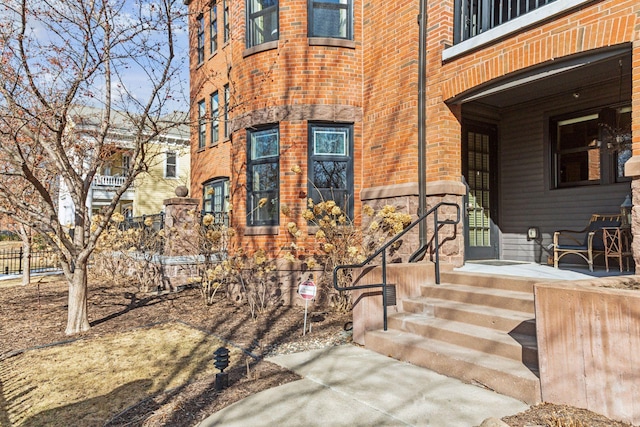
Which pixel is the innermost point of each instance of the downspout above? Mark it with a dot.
(422, 113)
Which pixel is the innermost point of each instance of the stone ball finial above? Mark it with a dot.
(182, 191)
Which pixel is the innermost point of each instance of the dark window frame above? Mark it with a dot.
(209, 202)
(202, 124)
(200, 38)
(213, 29)
(610, 164)
(316, 5)
(227, 101)
(226, 21)
(214, 104)
(268, 214)
(253, 16)
(314, 191)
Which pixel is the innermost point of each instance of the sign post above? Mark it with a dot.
(306, 290)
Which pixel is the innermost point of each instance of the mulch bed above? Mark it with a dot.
(35, 316)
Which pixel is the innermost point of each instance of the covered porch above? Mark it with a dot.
(542, 150)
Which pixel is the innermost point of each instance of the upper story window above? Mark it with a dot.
(263, 180)
(171, 165)
(202, 124)
(227, 100)
(126, 164)
(200, 46)
(215, 118)
(331, 164)
(591, 148)
(262, 21)
(227, 24)
(213, 29)
(331, 18)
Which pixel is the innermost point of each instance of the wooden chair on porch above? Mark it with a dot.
(587, 243)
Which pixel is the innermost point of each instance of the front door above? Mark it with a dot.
(479, 164)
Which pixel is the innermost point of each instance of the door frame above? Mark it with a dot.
(493, 250)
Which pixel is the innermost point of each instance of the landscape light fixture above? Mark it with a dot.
(221, 362)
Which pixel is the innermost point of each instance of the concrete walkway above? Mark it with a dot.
(352, 386)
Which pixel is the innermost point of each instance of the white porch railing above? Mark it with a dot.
(108, 181)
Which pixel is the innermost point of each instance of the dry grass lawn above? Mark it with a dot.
(86, 382)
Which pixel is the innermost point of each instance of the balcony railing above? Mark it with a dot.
(473, 17)
(108, 181)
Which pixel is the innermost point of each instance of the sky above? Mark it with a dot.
(135, 74)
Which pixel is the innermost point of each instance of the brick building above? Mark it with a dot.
(527, 118)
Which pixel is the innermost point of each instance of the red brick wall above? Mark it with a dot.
(289, 85)
(376, 82)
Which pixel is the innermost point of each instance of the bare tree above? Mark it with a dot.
(55, 57)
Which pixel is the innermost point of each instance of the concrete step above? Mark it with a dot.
(490, 297)
(517, 347)
(503, 375)
(501, 319)
(510, 283)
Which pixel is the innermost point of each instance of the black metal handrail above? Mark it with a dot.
(383, 251)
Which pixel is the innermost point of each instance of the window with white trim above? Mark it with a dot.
(171, 165)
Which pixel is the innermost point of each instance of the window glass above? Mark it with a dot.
(202, 124)
(227, 100)
(331, 18)
(215, 199)
(171, 165)
(262, 22)
(592, 148)
(327, 141)
(623, 154)
(264, 144)
(215, 119)
(227, 24)
(331, 165)
(263, 177)
(200, 47)
(213, 29)
(578, 150)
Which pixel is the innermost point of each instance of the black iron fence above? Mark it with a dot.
(12, 262)
(155, 221)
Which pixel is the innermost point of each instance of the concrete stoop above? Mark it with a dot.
(477, 328)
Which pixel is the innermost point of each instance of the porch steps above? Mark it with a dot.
(477, 328)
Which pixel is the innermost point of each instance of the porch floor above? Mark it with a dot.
(538, 271)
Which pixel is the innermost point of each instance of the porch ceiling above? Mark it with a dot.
(577, 74)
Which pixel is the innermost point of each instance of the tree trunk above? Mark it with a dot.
(26, 264)
(77, 320)
(25, 237)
